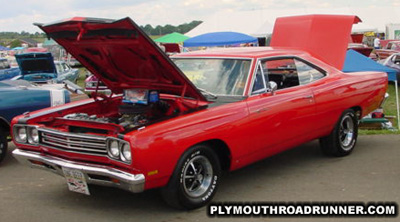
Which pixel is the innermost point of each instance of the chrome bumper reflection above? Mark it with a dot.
(94, 174)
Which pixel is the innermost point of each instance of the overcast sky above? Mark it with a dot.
(19, 15)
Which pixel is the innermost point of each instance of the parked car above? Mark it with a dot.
(390, 48)
(41, 68)
(18, 97)
(6, 71)
(177, 127)
(393, 61)
(361, 48)
(71, 61)
(91, 85)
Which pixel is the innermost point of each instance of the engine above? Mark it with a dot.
(132, 112)
(128, 121)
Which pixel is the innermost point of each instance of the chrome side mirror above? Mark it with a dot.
(272, 86)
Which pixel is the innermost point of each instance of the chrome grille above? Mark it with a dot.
(73, 142)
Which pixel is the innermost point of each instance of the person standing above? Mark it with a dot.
(377, 42)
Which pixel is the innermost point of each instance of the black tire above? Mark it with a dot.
(198, 188)
(343, 138)
(3, 144)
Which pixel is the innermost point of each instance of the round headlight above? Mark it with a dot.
(126, 152)
(114, 148)
(21, 133)
(33, 135)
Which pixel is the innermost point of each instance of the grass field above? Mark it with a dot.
(389, 110)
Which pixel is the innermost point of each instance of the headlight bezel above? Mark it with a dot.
(113, 148)
(28, 137)
(121, 144)
(126, 152)
(31, 139)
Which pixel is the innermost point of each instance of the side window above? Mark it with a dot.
(307, 73)
(259, 82)
(396, 59)
(283, 72)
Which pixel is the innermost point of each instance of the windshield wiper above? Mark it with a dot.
(208, 93)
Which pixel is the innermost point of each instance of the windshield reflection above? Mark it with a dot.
(218, 76)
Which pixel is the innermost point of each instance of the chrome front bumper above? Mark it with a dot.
(94, 174)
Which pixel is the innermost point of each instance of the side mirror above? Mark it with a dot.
(272, 86)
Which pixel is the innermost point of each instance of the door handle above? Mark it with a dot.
(261, 110)
(308, 97)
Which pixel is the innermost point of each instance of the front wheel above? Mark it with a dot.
(3, 144)
(343, 138)
(195, 179)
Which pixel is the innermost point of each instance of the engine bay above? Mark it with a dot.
(136, 108)
(129, 116)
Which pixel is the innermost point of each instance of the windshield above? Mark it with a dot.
(217, 76)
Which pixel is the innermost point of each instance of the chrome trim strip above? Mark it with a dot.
(127, 181)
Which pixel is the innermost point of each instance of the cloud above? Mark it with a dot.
(154, 12)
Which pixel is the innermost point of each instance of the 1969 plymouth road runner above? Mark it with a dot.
(177, 123)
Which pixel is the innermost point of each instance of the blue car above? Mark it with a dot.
(41, 68)
(18, 97)
(6, 72)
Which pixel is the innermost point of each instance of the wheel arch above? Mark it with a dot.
(4, 124)
(222, 150)
(358, 111)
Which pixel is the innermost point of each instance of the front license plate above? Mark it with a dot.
(76, 181)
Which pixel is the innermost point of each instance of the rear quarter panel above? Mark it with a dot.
(343, 91)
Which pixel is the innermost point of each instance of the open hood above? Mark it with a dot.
(324, 36)
(121, 55)
(35, 63)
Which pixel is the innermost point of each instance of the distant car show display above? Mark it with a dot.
(40, 67)
(6, 71)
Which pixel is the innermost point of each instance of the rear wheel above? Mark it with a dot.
(195, 179)
(3, 144)
(343, 138)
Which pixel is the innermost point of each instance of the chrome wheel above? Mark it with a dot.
(346, 132)
(197, 176)
(343, 138)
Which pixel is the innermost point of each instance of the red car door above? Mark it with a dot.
(283, 118)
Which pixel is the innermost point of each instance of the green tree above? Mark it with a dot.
(162, 30)
(158, 30)
(169, 29)
(147, 28)
(15, 43)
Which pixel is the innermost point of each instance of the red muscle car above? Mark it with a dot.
(387, 50)
(177, 125)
